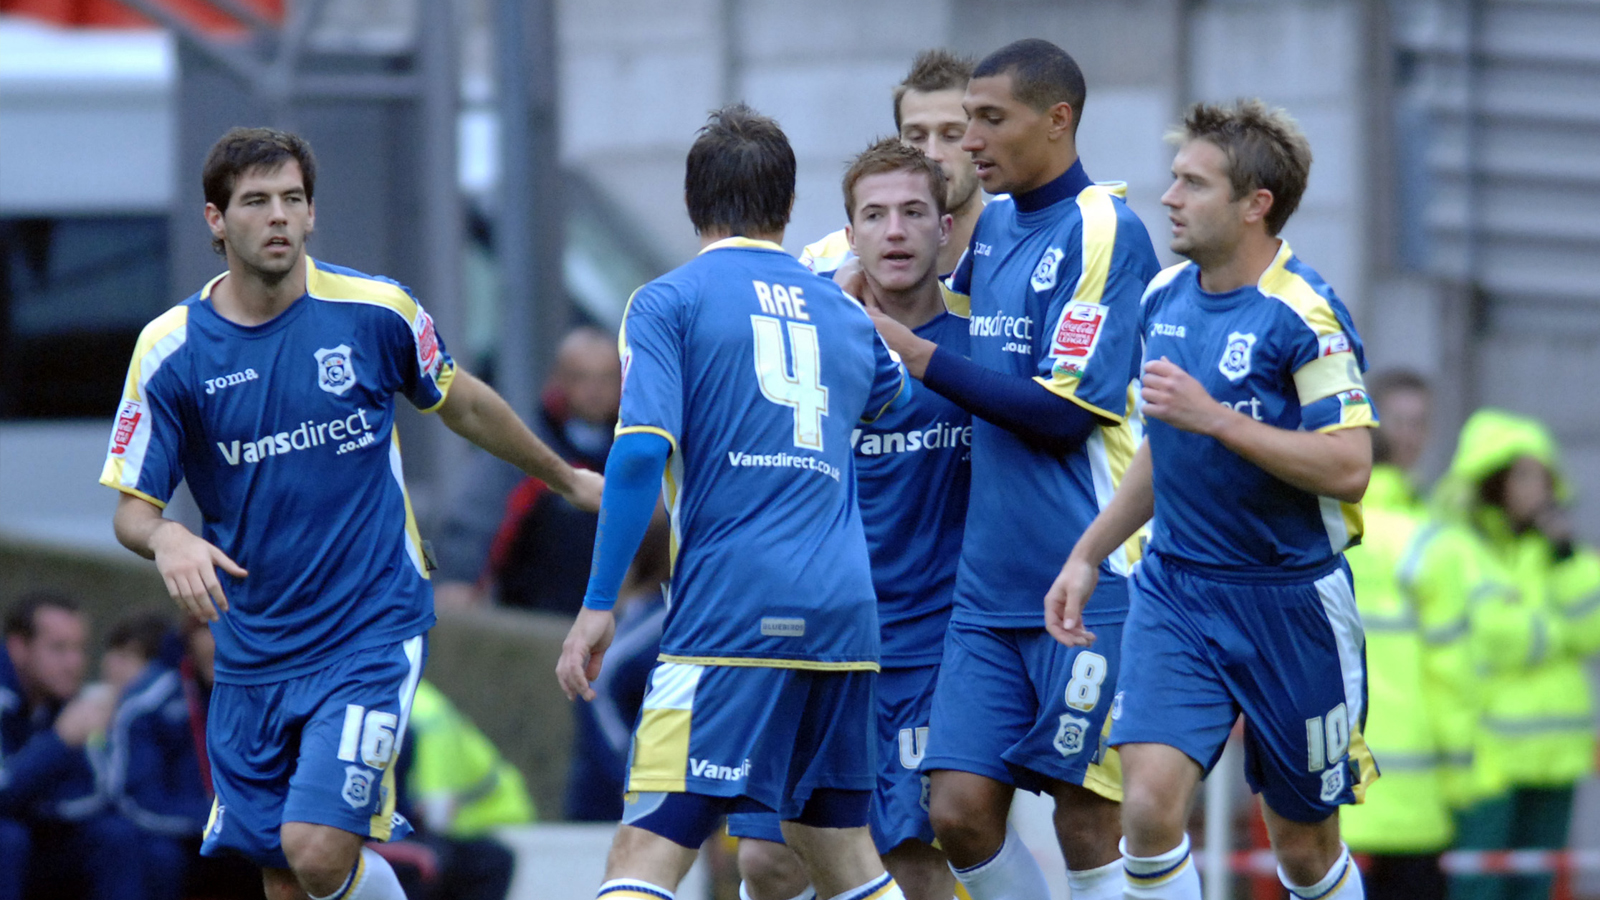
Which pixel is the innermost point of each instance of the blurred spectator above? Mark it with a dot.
(509, 535)
(48, 800)
(148, 770)
(454, 789)
(210, 877)
(1404, 822)
(1536, 735)
(603, 727)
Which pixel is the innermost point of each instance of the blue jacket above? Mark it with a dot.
(40, 777)
(149, 770)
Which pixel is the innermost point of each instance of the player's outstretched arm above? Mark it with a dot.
(187, 563)
(1329, 464)
(1131, 507)
(476, 412)
(634, 468)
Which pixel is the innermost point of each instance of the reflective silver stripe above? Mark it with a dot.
(1447, 634)
(1540, 643)
(1462, 759)
(1414, 553)
(1483, 592)
(482, 789)
(1539, 725)
(1583, 607)
(1390, 762)
(1406, 621)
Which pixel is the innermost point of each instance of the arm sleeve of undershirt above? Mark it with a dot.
(633, 480)
(1016, 403)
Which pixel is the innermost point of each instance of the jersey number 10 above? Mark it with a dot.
(803, 391)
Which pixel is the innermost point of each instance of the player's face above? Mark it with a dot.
(1008, 139)
(267, 220)
(54, 660)
(935, 123)
(1207, 223)
(896, 229)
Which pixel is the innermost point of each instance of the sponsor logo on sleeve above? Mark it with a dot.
(1329, 344)
(128, 417)
(336, 372)
(1044, 274)
(428, 354)
(1235, 361)
(1076, 337)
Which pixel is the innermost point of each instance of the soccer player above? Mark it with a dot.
(913, 470)
(1054, 274)
(1256, 459)
(271, 391)
(748, 374)
(928, 116)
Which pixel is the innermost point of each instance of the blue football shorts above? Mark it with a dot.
(316, 748)
(900, 797)
(1284, 648)
(773, 735)
(1017, 706)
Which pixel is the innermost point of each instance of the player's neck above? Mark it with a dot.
(246, 297)
(712, 235)
(966, 221)
(1245, 265)
(913, 307)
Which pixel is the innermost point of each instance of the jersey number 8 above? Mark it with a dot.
(803, 391)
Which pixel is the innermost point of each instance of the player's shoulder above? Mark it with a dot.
(1303, 292)
(341, 285)
(1165, 283)
(1106, 218)
(827, 254)
(163, 337)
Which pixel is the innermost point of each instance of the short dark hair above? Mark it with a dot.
(1265, 149)
(1390, 381)
(1042, 75)
(740, 174)
(142, 632)
(937, 69)
(244, 149)
(891, 154)
(22, 619)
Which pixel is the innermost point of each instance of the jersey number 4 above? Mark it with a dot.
(802, 391)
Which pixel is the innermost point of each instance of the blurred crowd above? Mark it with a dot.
(1481, 613)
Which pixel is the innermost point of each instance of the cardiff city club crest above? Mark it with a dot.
(357, 786)
(1044, 274)
(336, 372)
(1236, 356)
(1070, 737)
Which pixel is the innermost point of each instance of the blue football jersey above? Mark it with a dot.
(1282, 351)
(757, 372)
(914, 469)
(1054, 296)
(285, 433)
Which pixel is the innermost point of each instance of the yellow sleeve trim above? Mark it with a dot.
(749, 662)
(445, 378)
(955, 303)
(1099, 243)
(134, 491)
(1298, 294)
(1066, 390)
(154, 333)
(648, 429)
(831, 251)
(901, 390)
(337, 288)
(1327, 375)
(1366, 422)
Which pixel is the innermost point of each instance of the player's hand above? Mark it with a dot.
(914, 352)
(1175, 397)
(583, 651)
(188, 564)
(852, 279)
(585, 489)
(87, 715)
(1063, 605)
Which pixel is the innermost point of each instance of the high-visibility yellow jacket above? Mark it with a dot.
(1531, 639)
(1406, 810)
(458, 779)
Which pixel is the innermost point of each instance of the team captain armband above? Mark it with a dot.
(1332, 393)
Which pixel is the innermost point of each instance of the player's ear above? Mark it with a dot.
(947, 224)
(1257, 205)
(850, 238)
(1062, 118)
(214, 221)
(311, 217)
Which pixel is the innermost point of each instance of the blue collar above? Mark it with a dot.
(1068, 184)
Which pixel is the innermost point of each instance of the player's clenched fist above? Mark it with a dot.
(1175, 397)
(584, 490)
(583, 651)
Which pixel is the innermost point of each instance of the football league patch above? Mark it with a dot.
(428, 354)
(1075, 338)
(127, 420)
